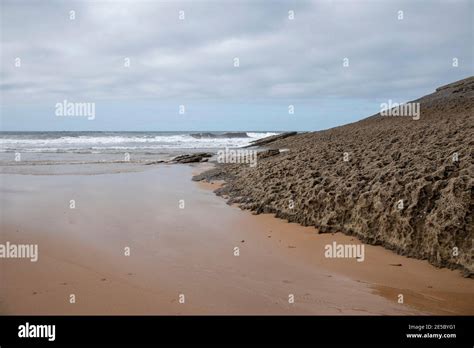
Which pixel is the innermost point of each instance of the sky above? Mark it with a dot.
(331, 61)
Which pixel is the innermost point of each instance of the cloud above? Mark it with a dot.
(173, 59)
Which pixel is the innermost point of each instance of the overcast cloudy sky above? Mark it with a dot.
(190, 62)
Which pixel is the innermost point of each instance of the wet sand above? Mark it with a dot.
(190, 251)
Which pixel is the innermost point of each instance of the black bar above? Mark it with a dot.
(290, 330)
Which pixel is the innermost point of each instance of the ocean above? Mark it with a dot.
(33, 148)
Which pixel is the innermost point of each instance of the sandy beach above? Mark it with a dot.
(191, 252)
(247, 172)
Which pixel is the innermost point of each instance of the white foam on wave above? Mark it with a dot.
(107, 143)
(255, 135)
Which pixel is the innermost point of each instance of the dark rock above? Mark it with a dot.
(192, 158)
(271, 139)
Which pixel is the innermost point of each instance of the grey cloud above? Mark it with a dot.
(173, 59)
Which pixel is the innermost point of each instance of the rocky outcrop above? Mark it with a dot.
(394, 181)
(271, 139)
(192, 158)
